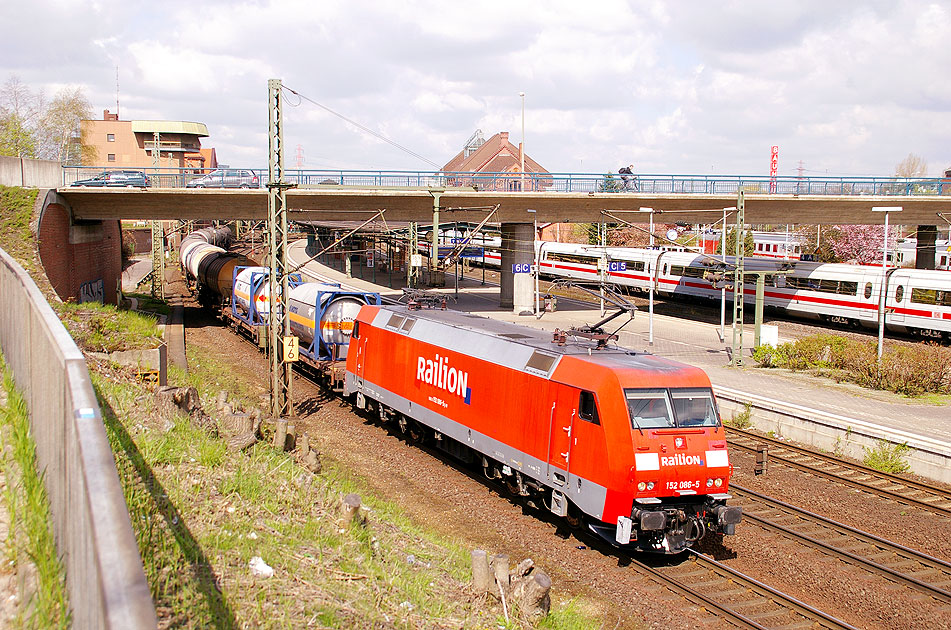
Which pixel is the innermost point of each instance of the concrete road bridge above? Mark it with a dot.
(552, 198)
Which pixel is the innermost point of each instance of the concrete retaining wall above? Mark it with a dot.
(830, 432)
(104, 575)
(30, 173)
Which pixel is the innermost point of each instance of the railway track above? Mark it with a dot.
(887, 559)
(905, 491)
(736, 597)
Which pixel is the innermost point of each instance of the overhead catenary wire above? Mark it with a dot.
(361, 127)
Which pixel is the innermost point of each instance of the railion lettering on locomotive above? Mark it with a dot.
(681, 460)
(439, 374)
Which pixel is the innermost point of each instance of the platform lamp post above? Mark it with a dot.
(723, 260)
(882, 292)
(522, 152)
(535, 255)
(650, 307)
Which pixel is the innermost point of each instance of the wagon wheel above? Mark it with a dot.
(574, 517)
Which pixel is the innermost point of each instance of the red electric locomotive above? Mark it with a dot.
(629, 443)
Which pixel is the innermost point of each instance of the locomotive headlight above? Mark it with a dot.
(718, 482)
(709, 483)
(642, 486)
(650, 485)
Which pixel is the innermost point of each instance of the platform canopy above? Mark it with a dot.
(466, 204)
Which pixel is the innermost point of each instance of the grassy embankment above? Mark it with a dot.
(201, 514)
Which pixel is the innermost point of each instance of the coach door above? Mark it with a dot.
(899, 292)
(564, 414)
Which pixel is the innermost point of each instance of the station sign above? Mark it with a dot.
(617, 265)
(467, 252)
(522, 268)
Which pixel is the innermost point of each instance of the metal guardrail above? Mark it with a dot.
(104, 575)
(568, 182)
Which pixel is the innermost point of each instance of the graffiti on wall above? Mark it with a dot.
(92, 292)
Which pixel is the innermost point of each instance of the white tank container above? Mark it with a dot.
(242, 295)
(339, 313)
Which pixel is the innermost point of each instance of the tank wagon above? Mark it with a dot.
(321, 314)
(628, 444)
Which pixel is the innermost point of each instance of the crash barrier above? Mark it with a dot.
(104, 575)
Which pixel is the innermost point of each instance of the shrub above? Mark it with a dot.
(887, 457)
(908, 370)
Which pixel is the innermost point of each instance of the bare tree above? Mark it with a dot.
(912, 166)
(20, 110)
(60, 133)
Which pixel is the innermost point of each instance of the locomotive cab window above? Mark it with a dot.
(588, 408)
(649, 408)
(694, 408)
(666, 409)
(356, 331)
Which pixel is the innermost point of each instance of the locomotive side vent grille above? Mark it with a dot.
(407, 325)
(540, 362)
(395, 321)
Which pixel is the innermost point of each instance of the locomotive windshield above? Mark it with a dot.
(668, 408)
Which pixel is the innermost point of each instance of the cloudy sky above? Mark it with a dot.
(845, 88)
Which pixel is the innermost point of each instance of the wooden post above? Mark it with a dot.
(290, 442)
(304, 445)
(500, 569)
(535, 595)
(280, 434)
(350, 509)
(480, 572)
(312, 461)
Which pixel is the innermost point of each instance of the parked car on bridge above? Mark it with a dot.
(226, 178)
(127, 179)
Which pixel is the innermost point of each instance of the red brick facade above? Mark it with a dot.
(83, 262)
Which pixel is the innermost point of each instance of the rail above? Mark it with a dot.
(104, 575)
(654, 184)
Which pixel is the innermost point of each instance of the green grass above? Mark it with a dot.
(30, 539)
(16, 210)
(150, 304)
(742, 420)
(104, 328)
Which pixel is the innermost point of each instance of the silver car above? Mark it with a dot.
(226, 178)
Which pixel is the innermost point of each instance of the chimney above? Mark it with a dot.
(504, 135)
(107, 116)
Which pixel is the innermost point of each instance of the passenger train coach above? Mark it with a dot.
(918, 301)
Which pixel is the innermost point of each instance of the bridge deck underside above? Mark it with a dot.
(341, 204)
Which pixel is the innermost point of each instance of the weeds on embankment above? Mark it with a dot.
(909, 370)
(29, 545)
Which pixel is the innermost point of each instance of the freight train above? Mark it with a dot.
(627, 444)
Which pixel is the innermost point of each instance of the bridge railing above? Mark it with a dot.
(104, 575)
(569, 182)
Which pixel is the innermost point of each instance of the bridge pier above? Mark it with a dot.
(517, 289)
(925, 256)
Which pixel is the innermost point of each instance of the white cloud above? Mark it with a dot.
(679, 88)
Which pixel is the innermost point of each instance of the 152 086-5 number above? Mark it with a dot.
(683, 485)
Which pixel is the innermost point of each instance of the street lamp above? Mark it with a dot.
(723, 260)
(882, 293)
(522, 152)
(650, 316)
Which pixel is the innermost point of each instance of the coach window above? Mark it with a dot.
(899, 293)
(868, 290)
(588, 408)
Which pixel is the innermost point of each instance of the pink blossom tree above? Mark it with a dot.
(860, 243)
